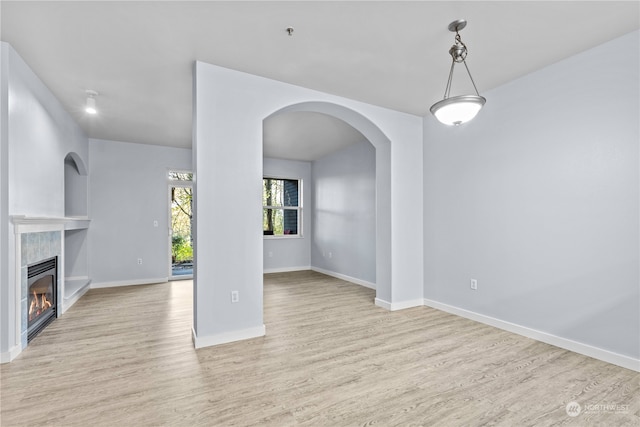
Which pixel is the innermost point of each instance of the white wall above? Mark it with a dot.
(129, 191)
(229, 108)
(41, 134)
(344, 213)
(37, 134)
(4, 204)
(290, 253)
(537, 199)
(76, 187)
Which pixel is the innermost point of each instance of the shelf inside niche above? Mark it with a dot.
(78, 223)
(75, 285)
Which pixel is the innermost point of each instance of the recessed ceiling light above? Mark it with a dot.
(90, 106)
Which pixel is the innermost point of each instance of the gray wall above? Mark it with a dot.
(290, 253)
(76, 191)
(36, 134)
(537, 199)
(4, 205)
(229, 108)
(344, 212)
(41, 133)
(128, 190)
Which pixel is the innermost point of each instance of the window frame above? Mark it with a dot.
(171, 180)
(298, 208)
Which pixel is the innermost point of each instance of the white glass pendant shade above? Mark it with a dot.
(457, 109)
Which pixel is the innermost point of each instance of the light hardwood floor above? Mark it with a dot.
(124, 357)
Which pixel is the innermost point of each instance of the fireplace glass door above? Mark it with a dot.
(41, 299)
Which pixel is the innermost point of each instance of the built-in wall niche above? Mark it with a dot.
(76, 266)
(76, 254)
(75, 187)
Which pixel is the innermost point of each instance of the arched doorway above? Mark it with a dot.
(381, 145)
(229, 110)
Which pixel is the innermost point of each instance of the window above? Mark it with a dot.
(181, 217)
(281, 207)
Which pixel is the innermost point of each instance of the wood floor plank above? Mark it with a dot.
(124, 356)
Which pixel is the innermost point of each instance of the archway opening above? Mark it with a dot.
(372, 267)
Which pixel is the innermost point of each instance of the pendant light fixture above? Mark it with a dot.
(90, 106)
(457, 109)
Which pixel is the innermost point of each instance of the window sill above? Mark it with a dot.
(284, 236)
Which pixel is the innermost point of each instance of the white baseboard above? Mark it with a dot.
(8, 356)
(67, 303)
(567, 344)
(227, 337)
(401, 305)
(345, 277)
(285, 269)
(73, 278)
(382, 303)
(96, 285)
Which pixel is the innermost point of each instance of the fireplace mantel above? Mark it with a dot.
(36, 238)
(35, 224)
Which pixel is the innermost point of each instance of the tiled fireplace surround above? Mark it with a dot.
(35, 247)
(37, 239)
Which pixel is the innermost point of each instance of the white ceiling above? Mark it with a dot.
(306, 136)
(139, 55)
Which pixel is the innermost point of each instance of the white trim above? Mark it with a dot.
(97, 285)
(71, 298)
(76, 223)
(282, 236)
(285, 269)
(8, 356)
(360, 282)
(68, 302)
(567, 344)
(74, 278)
(406, 304)
(227, 337)
(17, 265)
(24, 224)
(394, 306)
(382, 303)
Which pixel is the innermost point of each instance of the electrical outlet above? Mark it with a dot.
(235, 296)
(139, 261)
(474, 284)
(330, 255)
(155, 222)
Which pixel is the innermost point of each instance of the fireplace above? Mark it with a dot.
(42, 280)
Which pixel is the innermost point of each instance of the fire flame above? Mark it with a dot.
(39, 303)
